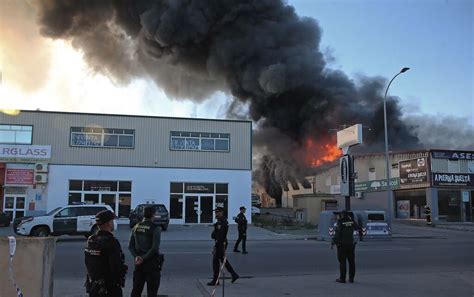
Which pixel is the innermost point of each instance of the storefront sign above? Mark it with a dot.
(463, 155)
(376, 185)
(19, 176)
(198, 188)
(19, 153)
(453, 179)
(413, 171)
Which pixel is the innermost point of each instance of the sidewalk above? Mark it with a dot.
(193, 232)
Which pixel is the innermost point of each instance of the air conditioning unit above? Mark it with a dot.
(359, 195)
(41, 178)
(41, 167)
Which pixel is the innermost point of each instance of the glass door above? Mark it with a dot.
(14, 206)
(110, 200)
(206, 215)
(191, 210)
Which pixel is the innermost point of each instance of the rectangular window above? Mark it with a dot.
(125, 186)
(222, 188)
(102, 192)
(199, 141)
(16, 134)
(101, 185)
(74, 198)
(75, 185)
(176, 188)
(102, 137)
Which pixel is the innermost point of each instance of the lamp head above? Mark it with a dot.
(404, 69)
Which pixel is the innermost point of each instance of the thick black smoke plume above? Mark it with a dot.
(260, 50)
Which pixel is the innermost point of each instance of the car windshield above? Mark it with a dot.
(53, 211)
(160, 208)
(376, 217)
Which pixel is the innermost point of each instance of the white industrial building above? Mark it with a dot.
(51, 159)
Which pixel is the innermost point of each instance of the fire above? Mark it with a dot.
(319, 153)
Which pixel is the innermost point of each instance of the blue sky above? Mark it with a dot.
(378, 37)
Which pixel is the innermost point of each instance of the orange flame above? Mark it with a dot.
(317, 154)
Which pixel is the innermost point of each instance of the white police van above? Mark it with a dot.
(67, 220)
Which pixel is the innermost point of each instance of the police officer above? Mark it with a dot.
(144, 245)
(241, 221)
(429, 222)
(344, 239)
(104, 260)
(220, 237)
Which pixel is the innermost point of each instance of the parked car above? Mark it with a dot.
(161, 217)
(67, 220)
(4, 219)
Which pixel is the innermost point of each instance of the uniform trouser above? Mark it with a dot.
(217, 259)
(148, 272)
(242, 238)
(346, 253)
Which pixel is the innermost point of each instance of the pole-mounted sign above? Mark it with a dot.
(345, 139)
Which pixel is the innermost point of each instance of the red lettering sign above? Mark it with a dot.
(19, 176)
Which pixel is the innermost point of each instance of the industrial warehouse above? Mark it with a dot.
(441, 179)
(54, 159)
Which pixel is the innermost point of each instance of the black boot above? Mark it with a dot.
(213, 283)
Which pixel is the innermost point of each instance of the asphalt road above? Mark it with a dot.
(192, 259)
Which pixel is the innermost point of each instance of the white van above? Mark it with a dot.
(67, 220)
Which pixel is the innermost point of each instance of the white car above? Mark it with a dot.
(67, 220)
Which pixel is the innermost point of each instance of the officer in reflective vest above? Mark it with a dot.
(104, 260)
(144, 246)
(344, 239)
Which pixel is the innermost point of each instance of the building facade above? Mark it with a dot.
(52, 159)
(441, 179)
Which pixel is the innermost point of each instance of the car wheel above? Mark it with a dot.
(164, 227)
(40, 232)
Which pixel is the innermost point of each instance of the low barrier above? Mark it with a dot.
(26, 266)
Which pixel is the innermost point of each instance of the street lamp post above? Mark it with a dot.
(389, 187)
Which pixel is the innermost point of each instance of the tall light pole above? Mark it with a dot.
(389, 186)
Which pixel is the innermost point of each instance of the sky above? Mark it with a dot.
(361, 37)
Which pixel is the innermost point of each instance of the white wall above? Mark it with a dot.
(150, 183)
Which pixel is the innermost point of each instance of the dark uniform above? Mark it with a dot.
(145, 243)
(105, 265)
(344, 239)
(221, 227)
(428, 215)
(241, 221)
